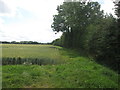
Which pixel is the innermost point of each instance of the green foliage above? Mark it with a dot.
(57, 42)
(77, 72)
(87, 28)
(73, 19)
(82, 73)
(84, 28)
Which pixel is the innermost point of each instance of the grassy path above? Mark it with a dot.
(75, 72)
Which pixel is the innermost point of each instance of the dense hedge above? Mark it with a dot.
(87, 28)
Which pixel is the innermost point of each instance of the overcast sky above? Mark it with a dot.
(30, 20)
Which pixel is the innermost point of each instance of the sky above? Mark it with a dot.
(30, 20)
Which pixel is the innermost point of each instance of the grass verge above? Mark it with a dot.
(76, 72)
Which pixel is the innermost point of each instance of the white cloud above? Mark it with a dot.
(108, 6)
(7, 9)
(30, 30)
(1, 25)
(1, 21)
(3, 7)
(37, 27)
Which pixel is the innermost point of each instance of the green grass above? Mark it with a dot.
(75, 72)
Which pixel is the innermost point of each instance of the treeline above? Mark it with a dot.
(87, 28)
(22, 42)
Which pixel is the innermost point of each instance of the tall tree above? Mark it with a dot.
(73, 19)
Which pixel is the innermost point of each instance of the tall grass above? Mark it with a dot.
(29, 61)
(35, 67)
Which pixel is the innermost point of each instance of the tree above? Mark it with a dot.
(73, 18)
(85, 27)
(117, 12)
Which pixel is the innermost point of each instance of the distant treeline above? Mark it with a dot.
(22, 42)
(87, 28)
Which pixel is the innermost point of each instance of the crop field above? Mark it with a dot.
(48, 66)
(30, 54)
(29, 51)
